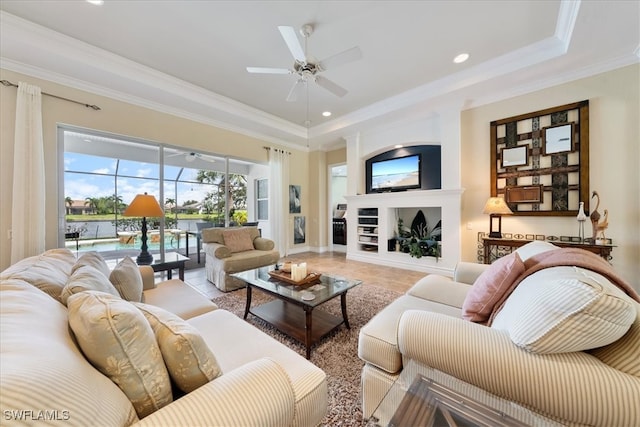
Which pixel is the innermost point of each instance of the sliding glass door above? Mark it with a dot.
(102, 174)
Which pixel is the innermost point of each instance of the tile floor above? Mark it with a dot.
(392, 278)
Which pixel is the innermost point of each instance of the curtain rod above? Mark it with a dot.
(276, 150)
(93, 107)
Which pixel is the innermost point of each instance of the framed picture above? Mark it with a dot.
(294, 199)
(558, 139)
(515, 156)
(299, 231)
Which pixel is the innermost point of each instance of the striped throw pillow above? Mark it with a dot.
(565, 309)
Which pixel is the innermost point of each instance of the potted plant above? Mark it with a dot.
(422, 241)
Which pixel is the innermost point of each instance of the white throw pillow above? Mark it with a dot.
(127, 280)
(117, 339)
(87, 278)
(95, 260)
(565, 309)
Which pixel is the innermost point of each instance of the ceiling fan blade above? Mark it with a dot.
(330, 86)
(266, 70)
(348, 55)
(295, 90)
(291, 39)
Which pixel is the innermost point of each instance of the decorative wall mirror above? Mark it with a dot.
(516, 156)
(540, 160)
(557, 139)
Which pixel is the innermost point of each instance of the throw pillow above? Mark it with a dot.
(237, 240)
(188, 359)
(127, 280)
(117, 339)
(94, 259)
(490, 286)
(87, 278)
(565, 309)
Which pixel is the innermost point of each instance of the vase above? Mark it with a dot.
(581, 217)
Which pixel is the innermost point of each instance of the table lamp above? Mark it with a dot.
(496, 207)
(144, 205)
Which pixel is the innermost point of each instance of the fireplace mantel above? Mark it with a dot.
(385, 205)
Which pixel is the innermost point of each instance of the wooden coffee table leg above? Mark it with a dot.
(343, 305)
(248, 306)
(307, 340)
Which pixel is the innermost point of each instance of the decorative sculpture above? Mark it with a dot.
(595, 215)
(601, 226)
(597, 226)
(582, 217)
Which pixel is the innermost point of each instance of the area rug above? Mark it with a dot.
(337, 353)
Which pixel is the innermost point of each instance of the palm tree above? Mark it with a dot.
(92, 202)
(171, 202)
(116, 201)
(69, 202)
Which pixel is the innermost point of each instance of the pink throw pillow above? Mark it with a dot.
(490, 286)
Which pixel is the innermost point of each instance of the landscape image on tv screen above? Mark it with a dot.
(396, 173)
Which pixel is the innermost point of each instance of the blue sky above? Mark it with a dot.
(131, 179)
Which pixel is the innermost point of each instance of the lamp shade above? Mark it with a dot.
(144, 205)
(496, 206)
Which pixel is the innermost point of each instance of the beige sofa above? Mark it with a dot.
(46, 378)
(530, 349)
(232, 250)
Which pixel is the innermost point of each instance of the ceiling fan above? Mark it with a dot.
(306, 68)
(192, 156)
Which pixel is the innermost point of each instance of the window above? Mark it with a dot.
(262, 199)
(103, 174)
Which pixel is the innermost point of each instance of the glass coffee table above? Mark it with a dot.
(424, 396)
(294, 310)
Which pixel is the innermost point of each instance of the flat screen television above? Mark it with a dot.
(396, 174)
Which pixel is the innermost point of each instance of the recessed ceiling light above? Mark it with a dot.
(461, 58)
(398, 146)
(96, 2)
(326, 113)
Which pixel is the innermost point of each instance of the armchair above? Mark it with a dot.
(232, 250)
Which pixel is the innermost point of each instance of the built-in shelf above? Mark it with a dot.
(377, 222)
(367, 231)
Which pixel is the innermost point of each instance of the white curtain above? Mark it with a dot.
(278, 203)
(28, 200)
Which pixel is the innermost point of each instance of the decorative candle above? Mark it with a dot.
(303, 270)
(295, 272)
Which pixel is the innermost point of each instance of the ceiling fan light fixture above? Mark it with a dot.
(190, 157)
(459, 59)
(307, 68)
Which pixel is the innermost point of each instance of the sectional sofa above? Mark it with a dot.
(83, 346)
(554, 330)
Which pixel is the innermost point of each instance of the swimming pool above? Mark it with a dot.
(107, 245)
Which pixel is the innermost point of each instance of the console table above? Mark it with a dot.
(495, 248)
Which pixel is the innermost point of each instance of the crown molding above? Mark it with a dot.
(78, 52)
(142, 86)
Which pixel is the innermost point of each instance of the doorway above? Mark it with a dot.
(338, 207)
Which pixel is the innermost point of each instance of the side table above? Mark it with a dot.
(172, 261)
(494, 247)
